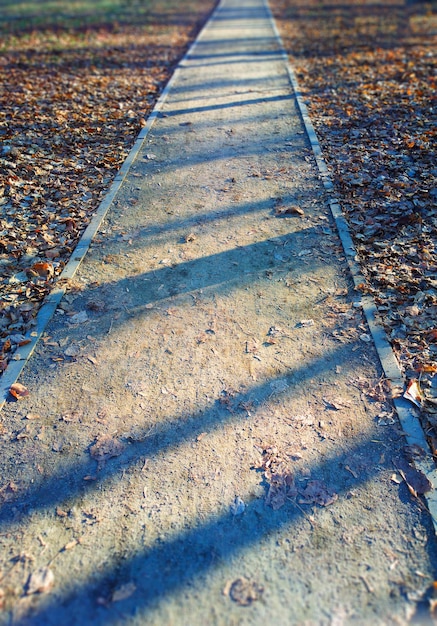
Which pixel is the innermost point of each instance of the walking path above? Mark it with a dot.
(207, 439)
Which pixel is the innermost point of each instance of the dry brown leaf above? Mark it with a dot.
(189, 238)
(282, 211)
(124, 592)
(316, 492)
(43, 269)
(40, 581)
(106, 447)
(18, 390)
(243, 591)
(60, 512)
(414, 393)
(416, 481)
(426, 369)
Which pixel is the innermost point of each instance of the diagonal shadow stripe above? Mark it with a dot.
(45, 492)
(218, 272)
(227, 105)
(178, 563)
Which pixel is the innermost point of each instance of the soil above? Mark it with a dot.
(207, 438)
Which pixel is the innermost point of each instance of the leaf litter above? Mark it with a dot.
(367, 74)
(73, 101)
(282, 485)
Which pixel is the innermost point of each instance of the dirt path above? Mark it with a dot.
(205, 440)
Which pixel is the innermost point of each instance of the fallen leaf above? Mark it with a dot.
(53, 254)
(414, 393)
(316, 492)
(7, 345)
(274, 331)
(78, 318)
(243, 591)
(252, 345)
(23, 434)
(73, 350)
(18, 391)
(278, 476)
(238, 506)
(416, 481)
(124, 592)
(282, 211)
(43, 269)
(432, 335)
(426, 369)
(395, 478)
(106, 447)
(40, 581)
(60, 512)
(305, 323)
(336, 405)
(24, 342)
(32, 416)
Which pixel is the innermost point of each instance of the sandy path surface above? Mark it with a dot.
(207, 439)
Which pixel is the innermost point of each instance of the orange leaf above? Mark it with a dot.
(18, 391)
(414, 392)
(291, 210)
(432, 335)
(363, 288)
(6, 345)
(43, 269)
(430, 369)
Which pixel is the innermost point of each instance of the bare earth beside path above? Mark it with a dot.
(207, 439)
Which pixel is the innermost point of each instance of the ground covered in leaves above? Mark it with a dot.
(367, 72)
(75, 91)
